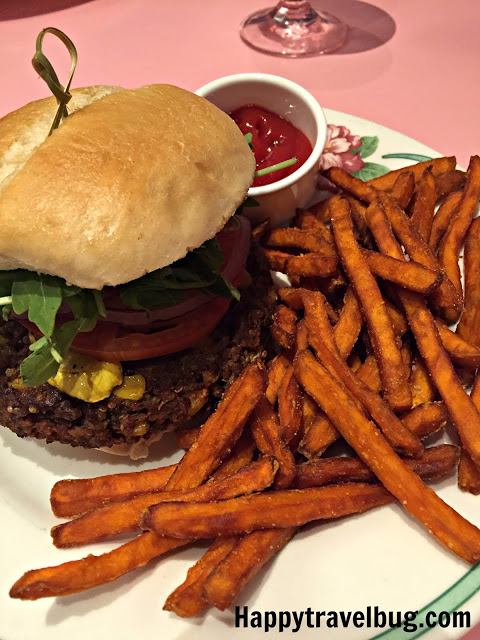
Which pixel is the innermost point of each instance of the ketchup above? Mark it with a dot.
(274, 139)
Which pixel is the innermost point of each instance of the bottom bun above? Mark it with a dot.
(135, 451)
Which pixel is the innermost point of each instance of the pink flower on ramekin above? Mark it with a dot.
(338, 150)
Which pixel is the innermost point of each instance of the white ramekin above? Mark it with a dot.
(288, 99)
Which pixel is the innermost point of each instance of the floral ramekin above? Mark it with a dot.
(289, 100)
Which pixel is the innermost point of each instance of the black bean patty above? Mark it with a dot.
(176, 385)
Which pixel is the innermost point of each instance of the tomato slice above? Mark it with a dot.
(116, 341)
(112, 342)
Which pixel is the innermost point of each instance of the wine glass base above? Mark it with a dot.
(276, 32)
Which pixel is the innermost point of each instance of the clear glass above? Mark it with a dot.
(293, 29)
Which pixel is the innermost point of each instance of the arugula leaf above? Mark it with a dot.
(248, 202)
(199, 269)
(41, 296)
(41, 364)
(84, 306)
(6, 310)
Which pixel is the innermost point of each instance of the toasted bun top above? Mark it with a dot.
(130, 182)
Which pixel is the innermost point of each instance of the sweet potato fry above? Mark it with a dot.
(241, 454)
(354, 361)
(445, 295)
(426, 418)
(221, 431)
(321, 339)
(292, 296)
(311, 265)
(452, 241)
(301, 342)
(424, 204)
(361, 190)
(122, 517)
(277, 260)
(186, 437)
(393, 372)
(277, 369)
(70, 498)
(461, 352)
(448, 182)
(442, 219)
(273, 510)
(289, 406)
(397, 318)
(349, 325)
(369, 374)
(434, 464)
(308, 221)
(460, 407)
(249, 555)
(469, 325)
(261, 230)
(72, 577)
(92, 571)
(468, 472)
(310, 412)
(437, 166)
(320, 210)
(283, 328)
(409, 275)
(403, 188)
(456, 533)
(266, 433)
(421, 383)
(187, 600)
(362, 232)
(298, 239)
(318, 437)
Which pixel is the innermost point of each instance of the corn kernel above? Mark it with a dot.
(141, 429)
(132, 388)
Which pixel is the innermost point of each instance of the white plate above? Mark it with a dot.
(382, 558)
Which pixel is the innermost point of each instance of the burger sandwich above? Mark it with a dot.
(131, 294)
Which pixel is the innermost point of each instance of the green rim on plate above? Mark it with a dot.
(450, 600)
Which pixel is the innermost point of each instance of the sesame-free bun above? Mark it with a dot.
(130, 182)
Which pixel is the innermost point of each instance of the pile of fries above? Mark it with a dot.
(364, 354)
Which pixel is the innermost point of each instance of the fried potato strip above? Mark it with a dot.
(321, 339)
(122, 517)
(449, 527)
(70, 498)
(187, 600)
(92, 571)
(221, 431)
(273, 510)
(452, 241)
(434, 464)
(460, 407)
(469, 325)
(393, 372)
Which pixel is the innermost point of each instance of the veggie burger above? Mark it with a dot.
(125, 277)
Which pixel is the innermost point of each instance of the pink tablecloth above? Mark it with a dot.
(412, 66)
(422, 81)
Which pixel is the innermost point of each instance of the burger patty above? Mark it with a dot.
(181, 389)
